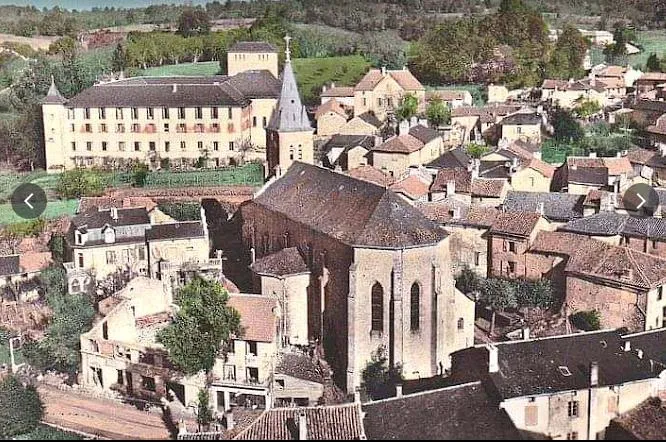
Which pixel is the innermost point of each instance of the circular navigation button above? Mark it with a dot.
(29, 201)
(641, 200)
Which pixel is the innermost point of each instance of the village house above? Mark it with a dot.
(381, 91)
(348, 152)
(497, 93)
(557, 208)
(568, 94)
(510, 237)
(342, 94)
(649, 81)
(523, 126)
(122, 353)
(463, 185)
(645, 422)
(564, 387)
(476, 121)
(580, 175)
(647, 165)
(366, 123)
(624, 285)
(101, 242)
(369, 253)
(414, 146)
(612, 73)
(415, 186)
(371, 175)
(522, 169)
(330, 117)
(246, 56)
(18, 268)
(451, 97)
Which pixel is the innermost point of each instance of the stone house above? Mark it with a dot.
(649, 81)
(364, 124)
(461, 185)
(347, 152)
(580, 175)
(523, 126)
(330, 117)
(509, 238)
(567, 94)
(380, 271)
(522, 170)
(381, 91)
(625, 286)
(18, 268)
(252, 55)
(476, 121)
(557, 208)
(414, 146)
(452, 98)
(342, 94)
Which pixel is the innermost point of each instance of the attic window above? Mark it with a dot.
(564, 371)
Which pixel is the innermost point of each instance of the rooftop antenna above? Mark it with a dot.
(287, 51)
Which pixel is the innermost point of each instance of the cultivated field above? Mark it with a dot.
(41, 42)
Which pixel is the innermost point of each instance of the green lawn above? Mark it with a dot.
(10, 180)
(202, 68)
(249, 174)
(649, 41)
(5, 357)
(45, 432)
(54, 209)
(313, 73)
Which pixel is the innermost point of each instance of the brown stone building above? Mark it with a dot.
(380, 271)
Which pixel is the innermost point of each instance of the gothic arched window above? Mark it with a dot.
(415, 306)
(377, 311)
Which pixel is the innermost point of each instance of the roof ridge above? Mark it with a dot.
(632, 259)
(423, 393)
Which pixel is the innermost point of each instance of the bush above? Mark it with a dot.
(20, 408)
(181, 211)
(379, 380)
(139, 174)
(26, 228)
(586, 320)
(77, 183)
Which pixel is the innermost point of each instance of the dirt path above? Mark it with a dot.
(100, 417)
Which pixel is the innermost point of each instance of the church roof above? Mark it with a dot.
(290, 114)
(53, 96)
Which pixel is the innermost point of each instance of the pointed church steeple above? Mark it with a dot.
(53, 96)
(289, 114)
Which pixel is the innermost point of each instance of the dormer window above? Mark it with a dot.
(109, 235)
(80, 236)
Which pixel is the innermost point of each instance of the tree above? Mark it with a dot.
(537, 293)
(201, 326)
(567, 58)
(21, 409)
(476, 151)
(408, 107)
(586, 108)
(500, 295)
(468, 281)
(65, 47)
(79, 182)
(378, 378)
(438, 113)
(139, 174)
(565, 127)
(653, 63)
(204, 411)
(193, 21)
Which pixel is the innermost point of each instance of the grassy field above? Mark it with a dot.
(54, 209)
(311, 73)
(649, 41)
(202, 68)
(45, 432)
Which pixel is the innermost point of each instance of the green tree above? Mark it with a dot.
(139, 174)
(653, 63)
(378, 378)
(21, 409)
(438, 113)
(201, 326)
(565, 127)
(476, 151)
(204, 411)
(586, 108)
(537, 293)
(468, 281)
(567, 58)
(408, 108)
(193, 21)
(500, 295)
(65, 47)
(79, 182)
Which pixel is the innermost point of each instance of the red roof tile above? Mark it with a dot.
(331, 106)
(412, 187)
(258, 320)
(401, 144)
(372, 175)
(515, 223)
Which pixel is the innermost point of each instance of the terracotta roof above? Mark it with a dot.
(515, 223)
(471, 414)
(405, 143)
(441, 211)
(460, 176)
(252, 46)
(644, 422)
(451, 159)
(412, 186)
(285, 262)
(371, 175)
(257, 315)
(653, 76)
(423, 134)
(354, 212)
(618, 166)
(522, 119)
(338, 91)
(494, 110)
(336, 422)
(618, 264)
(612, 71)
(558, 243)
(639, 155)
(447, 94)
(35, 261)
(331, 106)
(490, 188)
(528, 160)
(403, 77)
(611, 82)
(301, 366)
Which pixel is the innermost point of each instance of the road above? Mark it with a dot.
(104, 418)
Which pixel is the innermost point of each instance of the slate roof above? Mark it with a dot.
(453, 158)
(285, 262)
(257, 316)
(463, 412)
(370, 118)
(9, 265)
(653, 344)
(160, 92)
(171, 231)
(595, 176)
(515, 223)
(557, 206)
(53, 96)
(252, 46)
(337, 422)
(558, 243)
(522, 119)
(289, 115)
(256, 84)
(352, 211)
(300, 366)
(447, 94)
(96, 219)
(530, 368)
(349, 141)
(612, 223)
(423, 134)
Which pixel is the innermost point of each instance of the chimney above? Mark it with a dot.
(593, 154)
(403, 128)
(378, 140)
(174, 89)
(593, 79)
(332, 85)
(398, 390)
(526, 333)
(114, 213)
(594, 374)
(413, 121)
(627, 346)
(493, 358)
(639, 353)
(253, 255)
(423, 122)
(357, 396)
(229, 416)
(218, 254)
(182, 428)
(476, 164)
(404, 67)
(456, 213)
(450, 188)
(384, 71)
(540, 208)
(323, 88)
(302, 426)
